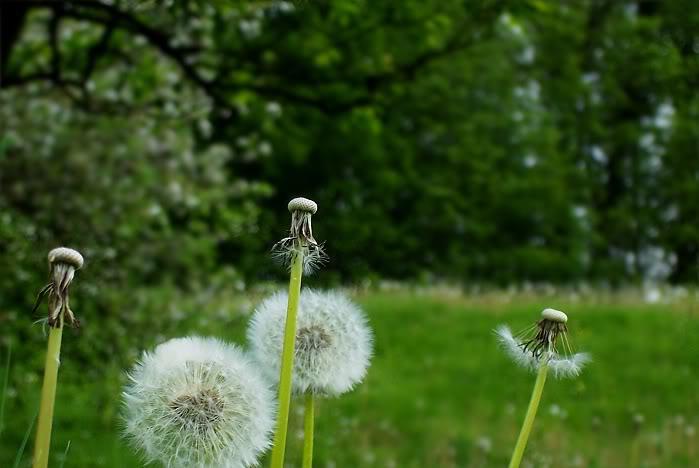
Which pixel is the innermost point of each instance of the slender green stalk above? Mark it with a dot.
(48, 397)
(529, 418)
(65, 455)
(287, 360)
(308, 432)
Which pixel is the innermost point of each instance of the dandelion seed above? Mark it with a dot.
(200, 403)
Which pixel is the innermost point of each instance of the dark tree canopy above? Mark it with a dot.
(477, 140)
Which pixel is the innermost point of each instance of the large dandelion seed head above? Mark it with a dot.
(333, 341)
(545, 342)
(198, 402)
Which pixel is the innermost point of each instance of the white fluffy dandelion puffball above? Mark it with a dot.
(200, 403)
(333, 341)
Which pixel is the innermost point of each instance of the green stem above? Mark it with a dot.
(529, 418)
(287, 360)
(308, 432)
(48, 397)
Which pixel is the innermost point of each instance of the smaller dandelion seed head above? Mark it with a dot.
(198, 402)
(63, 263)
(300, 239)
(539, 344)
(333, 343)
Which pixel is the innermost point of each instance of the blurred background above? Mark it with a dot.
(473, 161)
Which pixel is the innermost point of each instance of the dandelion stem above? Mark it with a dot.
(529, 417)
(308, 432)
(48, 397)
(287, 359)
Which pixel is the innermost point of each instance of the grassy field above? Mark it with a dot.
(440, 393)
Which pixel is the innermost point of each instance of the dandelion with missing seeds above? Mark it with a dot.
(542, 347)
(302, 253)
(200, 403)
(332, 351)
(63, 263)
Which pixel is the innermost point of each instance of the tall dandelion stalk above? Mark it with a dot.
(302, 251)
(332, 351)
(536, 349)
(63, 263)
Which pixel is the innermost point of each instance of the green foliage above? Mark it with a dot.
(478, 140)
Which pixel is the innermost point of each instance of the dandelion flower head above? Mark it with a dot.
(198, 402)
(333, 341)
(544, 342)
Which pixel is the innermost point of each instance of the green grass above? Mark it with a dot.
(440, 393)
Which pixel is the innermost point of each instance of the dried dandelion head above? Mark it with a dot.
(198, 402)
(300, 239)
(333, 341)
(544, 342)
(63, 263)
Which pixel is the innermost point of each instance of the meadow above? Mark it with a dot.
(439, 391)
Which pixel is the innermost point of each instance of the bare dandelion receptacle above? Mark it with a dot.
(63, 263)
(300, 239)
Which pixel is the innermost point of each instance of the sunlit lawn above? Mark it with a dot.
(440, 393)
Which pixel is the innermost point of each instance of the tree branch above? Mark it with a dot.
(12, 16)
(96, 51)
(366, 87)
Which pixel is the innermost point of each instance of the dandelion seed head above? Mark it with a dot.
(333, 341)
(198, 402)
(539, 344)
